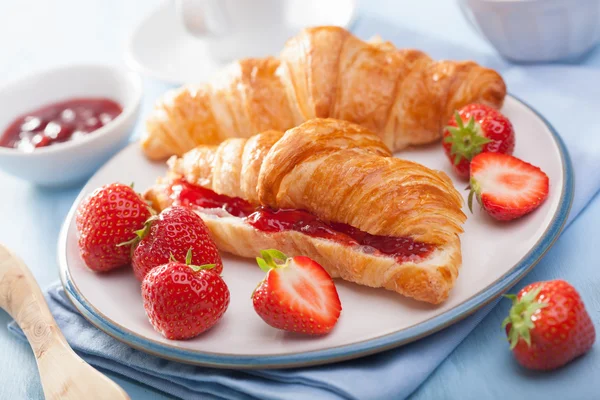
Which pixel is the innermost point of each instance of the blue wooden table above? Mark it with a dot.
(36, 34)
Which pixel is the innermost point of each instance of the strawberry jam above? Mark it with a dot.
(186, 194)
(59, 122)
(269, 220)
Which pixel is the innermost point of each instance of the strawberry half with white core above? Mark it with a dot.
(297, 295)
(474, 129)
(505, 186)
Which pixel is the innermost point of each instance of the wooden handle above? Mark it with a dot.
(63, 373)
(22, 298)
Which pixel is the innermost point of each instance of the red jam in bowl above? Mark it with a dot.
(268, 220)
(59, 122)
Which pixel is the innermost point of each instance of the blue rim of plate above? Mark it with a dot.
(345, 352)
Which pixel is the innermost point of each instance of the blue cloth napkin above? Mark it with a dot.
(563, 94)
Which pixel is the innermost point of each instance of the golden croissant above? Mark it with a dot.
(324, 72)
(329, 190)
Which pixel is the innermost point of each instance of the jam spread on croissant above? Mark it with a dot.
(269, 220)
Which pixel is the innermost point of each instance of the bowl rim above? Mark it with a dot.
(131, 77)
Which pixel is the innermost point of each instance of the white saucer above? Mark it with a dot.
(161, 48)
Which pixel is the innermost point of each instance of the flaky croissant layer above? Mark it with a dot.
(342, 173)
(323, 72)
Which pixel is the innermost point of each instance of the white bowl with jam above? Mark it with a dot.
(57, 127)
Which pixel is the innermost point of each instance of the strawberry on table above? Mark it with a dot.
(172, 233)
(183, 300)
(109, 216)
(474, 129)
(505, 186)
(297, 295)
(548, 325)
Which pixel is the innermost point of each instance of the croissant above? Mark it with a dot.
(324, 72)
(330, 190)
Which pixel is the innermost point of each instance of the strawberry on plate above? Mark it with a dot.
(474, 129)
(173, 233)
(184, 300)
(109, 216)
(505, 186)
(548, 325)
(297, 295)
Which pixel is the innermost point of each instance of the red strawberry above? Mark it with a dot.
(184, 300)
(172, 233)
(505, 186)
(474, 129)
(296, 296)
(548, 325)
(109, 216)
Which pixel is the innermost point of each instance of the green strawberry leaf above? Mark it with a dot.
(188, 257)
(520, 316)
(268, 260)
(263, 264)
(470, 201)
(466, 140)
(140, 234)
(204, 267)
(273, 254)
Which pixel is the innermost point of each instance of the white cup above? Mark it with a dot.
(235, 29)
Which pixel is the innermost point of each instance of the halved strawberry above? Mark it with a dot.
(296, 296)
(505, 186)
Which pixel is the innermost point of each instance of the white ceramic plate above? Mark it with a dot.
(496, 255)
(161, 48)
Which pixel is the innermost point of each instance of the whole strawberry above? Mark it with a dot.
(109, 216)
(296, 296)
(173, 233)
(474, 129)
(184, 300)
(548, 325)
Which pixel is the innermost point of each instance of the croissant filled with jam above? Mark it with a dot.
(330, 190)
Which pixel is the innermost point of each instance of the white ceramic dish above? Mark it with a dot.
(161, 48)
(496, 255)
(537, 30)
(69, 162)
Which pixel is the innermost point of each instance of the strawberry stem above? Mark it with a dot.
(519, 316)
(466, 140)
